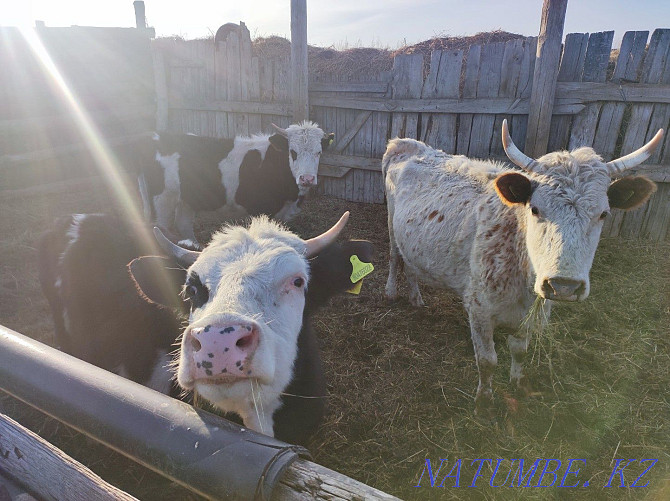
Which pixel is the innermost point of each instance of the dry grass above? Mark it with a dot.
(401, 380)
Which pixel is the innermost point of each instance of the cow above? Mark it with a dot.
(98, 314)
(262, 174)
(117, 305)
(501, 236)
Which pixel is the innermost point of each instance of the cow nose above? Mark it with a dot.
(223, 351)
(306, 180)
(563, 289)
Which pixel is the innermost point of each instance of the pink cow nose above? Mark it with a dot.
(306, 180)
(223, 351)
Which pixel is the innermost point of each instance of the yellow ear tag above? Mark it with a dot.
(359, 272)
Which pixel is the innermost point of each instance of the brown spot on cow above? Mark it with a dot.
(441, 218)
(432, 214)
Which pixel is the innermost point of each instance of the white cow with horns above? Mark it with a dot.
(499, 236)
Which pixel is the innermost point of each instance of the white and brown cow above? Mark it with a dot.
(498, 236)
(262, 174)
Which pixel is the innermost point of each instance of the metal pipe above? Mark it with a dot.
(203, 452)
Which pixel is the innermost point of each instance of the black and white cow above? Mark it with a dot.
(98, 314)
(263, 277)
(263, 174)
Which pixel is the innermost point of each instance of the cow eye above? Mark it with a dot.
(534, 210)
(294, 155)
(195, 291)
(604, 214)
(299, 282)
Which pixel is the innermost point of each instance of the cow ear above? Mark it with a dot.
(331, 269)
(279, 142)
(327, 140)
(513, 188)
(158, 280)
(630, 192)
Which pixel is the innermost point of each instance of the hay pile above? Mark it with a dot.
(367, 60)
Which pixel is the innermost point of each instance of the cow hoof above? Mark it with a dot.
(417, 301)
(484, 408)
(524, 388)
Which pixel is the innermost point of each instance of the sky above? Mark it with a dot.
(345, 23)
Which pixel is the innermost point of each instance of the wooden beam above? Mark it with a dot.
(351, 162)
(283, 109)
(299, 82)
(544, 76)
(372, 87)
(140, 17)
(307, 480)
(493, 105)
(48, 471)
(344, 141)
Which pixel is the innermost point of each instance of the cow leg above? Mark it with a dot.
(165, 205)
(395, 260)
(518, 347)
(184, 219)
(414, 292)
(481, 331)
(288, 212)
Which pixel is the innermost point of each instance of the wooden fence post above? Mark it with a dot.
(545, 76)
(140, 18)
(299, 89)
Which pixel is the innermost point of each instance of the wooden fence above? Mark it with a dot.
(455, 101)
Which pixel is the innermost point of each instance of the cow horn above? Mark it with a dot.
(315, 245)
(183, 256)
(619, 165)
(514, 153)
(280, 131)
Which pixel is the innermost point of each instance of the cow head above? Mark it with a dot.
(565, 198)
(246, 291)
(304, 143)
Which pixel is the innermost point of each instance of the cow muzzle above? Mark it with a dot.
(307, 180)
(221, 351)
(564, 289)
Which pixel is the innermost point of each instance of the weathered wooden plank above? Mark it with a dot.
(443, 81)
(469, 91)
(595, 70)
(46, 470)
(488, 87)
(544, 77)
(638, 130)
(221, 88)
(524, 89)
(266, 79)
(160, 85)
(407, 83)
(245, 77)
(572, 67)
(657, 219)
(233, 69)
(628, 66)
(652, 72)
(510, 75)
(255, 126)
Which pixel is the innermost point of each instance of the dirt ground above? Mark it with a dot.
(402, 380)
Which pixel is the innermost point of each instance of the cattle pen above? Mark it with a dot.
(400, 390)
